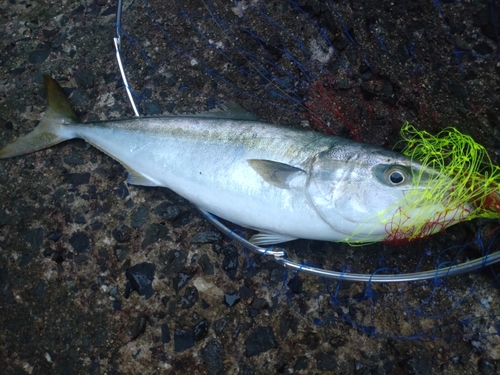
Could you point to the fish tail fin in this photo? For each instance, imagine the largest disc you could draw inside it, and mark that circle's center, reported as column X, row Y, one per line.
column 51, row 130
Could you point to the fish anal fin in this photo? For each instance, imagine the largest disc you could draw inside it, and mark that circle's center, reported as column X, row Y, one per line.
column 261, row 239
column 137, row 178
column 275, row 173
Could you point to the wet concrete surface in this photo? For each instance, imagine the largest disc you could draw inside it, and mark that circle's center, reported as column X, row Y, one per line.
column 99, row 277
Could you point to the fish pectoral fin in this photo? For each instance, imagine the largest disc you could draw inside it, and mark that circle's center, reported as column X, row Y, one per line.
column 260, row 239
column 137, row 178
column 275, row 173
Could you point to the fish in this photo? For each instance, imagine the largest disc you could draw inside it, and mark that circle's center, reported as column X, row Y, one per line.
column 283, row 182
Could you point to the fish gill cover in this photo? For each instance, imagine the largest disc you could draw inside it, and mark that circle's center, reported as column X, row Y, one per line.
column 316, row 64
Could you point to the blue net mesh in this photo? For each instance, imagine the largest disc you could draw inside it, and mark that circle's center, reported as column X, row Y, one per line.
column 319, row 65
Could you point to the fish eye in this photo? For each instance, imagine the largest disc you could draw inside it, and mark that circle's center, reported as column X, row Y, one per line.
column 396, row 176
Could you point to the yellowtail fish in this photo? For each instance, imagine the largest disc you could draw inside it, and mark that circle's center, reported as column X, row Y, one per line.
column 285, row 183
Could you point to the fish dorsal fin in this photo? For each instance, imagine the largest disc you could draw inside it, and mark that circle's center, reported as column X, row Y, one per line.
column 275, row 173
column 230, row 111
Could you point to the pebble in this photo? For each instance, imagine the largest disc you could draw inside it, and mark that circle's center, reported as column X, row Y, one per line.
column 167, row 211
column 139, row 217
column 141, row 278
column 206, row 237
column 212, row 356
column 80, row 242
column 154, row 233
column 201, row 330
column 165, row 334
column 260, row 340
column 38, row 56
column 189, row 298
column 183, row 339
column 230, row 261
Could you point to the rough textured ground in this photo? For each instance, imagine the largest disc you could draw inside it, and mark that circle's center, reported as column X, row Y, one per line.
column 72, row 233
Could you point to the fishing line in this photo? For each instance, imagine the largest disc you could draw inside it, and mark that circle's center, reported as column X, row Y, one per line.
column 279, row 254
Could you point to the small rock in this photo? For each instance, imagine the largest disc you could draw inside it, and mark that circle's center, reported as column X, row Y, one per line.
column 80, row 242
column 206, row 237
column 201, row 330
column 180, row 280
column 260, row 340
column 167, row 211
column 230, row 261
column 77, row 179
column 206, row 265
column 139, row 217
column 154, row 233
column 38, row 56
column 326, row 361
column 165, row 334
column 189, row 298
column 231, row 299
column 85, row 78
column 139, row 326
column 141, row 278
column 212, row 356
column 183, row 339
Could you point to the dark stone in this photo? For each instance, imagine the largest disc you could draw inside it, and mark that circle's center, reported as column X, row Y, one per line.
column 154, row 233
column 160, row 315
column 245, row 292
column 79, row 259
column 212, row 356
column 260, row 340
column 175, row 264
column 77, row 179
column 111, row 10
column 38, row 56
column 122, row 191
column 486, row 367
column 301, row 364
column 180, row 280
column 165, row 334
column 57, row 257
column 326, row 361
column 421, row 363
column 40, row 289
column 47, row 252
column 139, row 217
column 48, row 33
column 259, row 303
column 73, row 160
column 295, row 285
column 201, row 330
column 80, row 242
column 121, row 254
column 141, row 278
column 183, row 339
column 79, row 97
column 189, row 298
column 220, row 325
column 231, row 299
column 206, row 265
column 139, row 326
column 167, row 211
column 230, row 261
column 206, row 237
column 117, row 305
column 122, row 233
column 85, row 78
column 33, row 236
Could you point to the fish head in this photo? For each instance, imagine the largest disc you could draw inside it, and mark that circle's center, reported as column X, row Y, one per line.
column 371, row 194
